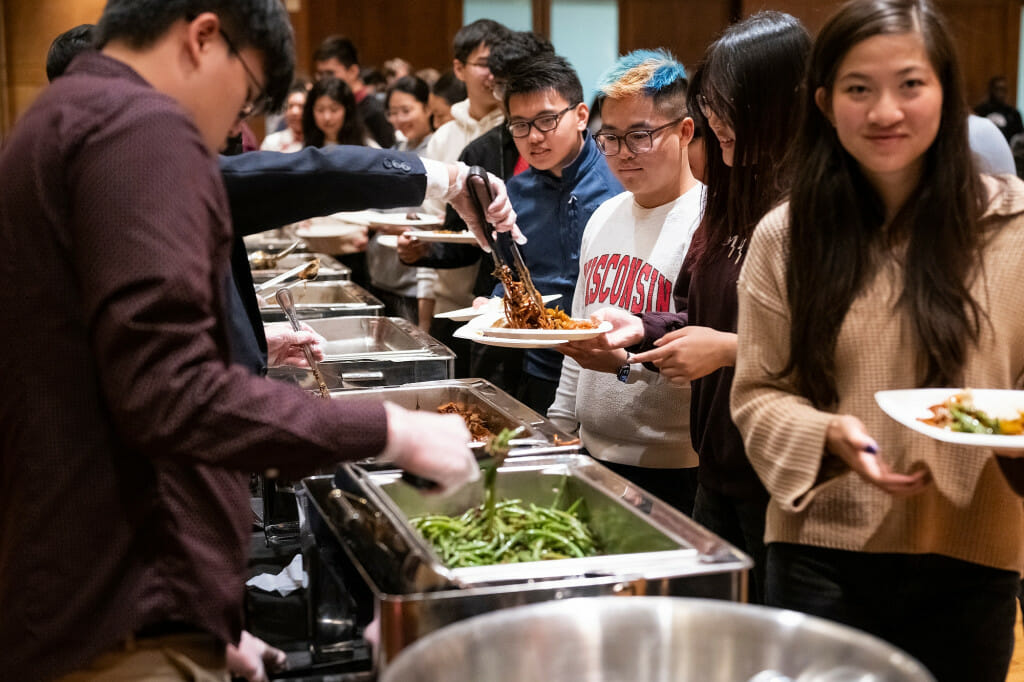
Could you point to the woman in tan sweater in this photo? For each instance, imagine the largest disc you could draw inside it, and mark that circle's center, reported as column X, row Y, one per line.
column 894, row 265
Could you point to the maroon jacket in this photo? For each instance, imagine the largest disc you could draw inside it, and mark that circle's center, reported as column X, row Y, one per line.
column 125, row 434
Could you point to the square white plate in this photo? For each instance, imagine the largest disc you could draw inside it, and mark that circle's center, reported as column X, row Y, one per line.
column 474, row 335
column 909, row 406
column 494, row 305
column 485, row 325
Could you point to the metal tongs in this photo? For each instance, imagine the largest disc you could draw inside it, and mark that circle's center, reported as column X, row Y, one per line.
column 304, row 272
column 284, row 299
column 480, row 190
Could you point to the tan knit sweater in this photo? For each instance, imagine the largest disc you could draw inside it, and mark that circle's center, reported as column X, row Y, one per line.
column 969, row 512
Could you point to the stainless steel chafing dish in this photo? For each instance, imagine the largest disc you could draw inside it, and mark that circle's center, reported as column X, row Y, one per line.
column 372, row 351
column 315, row 300
column 498, row 409
column 330, row 268
column 359, row 521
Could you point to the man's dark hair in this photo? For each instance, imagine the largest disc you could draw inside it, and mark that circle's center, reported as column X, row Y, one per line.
column 66, row 47
column 542, row 73
column 337, row 47
column 449, row 87
column 507, row 54
column 262, row 25
column 480, row 32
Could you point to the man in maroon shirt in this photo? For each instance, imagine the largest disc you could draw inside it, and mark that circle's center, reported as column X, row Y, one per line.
column 124, row 448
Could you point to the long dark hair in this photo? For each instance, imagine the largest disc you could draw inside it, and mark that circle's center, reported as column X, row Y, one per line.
column 749, row 77
column 352, row 130
column 837, row 217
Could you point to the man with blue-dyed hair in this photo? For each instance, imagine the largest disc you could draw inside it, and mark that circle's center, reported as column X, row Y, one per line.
column 633, row 247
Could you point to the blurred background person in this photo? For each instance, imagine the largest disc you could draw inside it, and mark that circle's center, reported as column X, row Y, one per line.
column 330, row 116
column 996, row 108
column 446, row 91
column 396, row 68
column 290, row 139
column 337, row 56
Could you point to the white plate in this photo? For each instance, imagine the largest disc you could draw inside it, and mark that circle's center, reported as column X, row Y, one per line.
column 494, row 305
column 474, row 335
column 388, row 240
column 908, row 406
column 379, row 218
column 485, row 325
column 464, row 237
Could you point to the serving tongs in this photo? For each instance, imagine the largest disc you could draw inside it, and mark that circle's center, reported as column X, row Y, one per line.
column 489, row 455
column 284, row 299
column 503, row 244
column 303, row 272
column 262, row 260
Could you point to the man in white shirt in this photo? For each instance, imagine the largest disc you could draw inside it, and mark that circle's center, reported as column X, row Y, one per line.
column 633, row 247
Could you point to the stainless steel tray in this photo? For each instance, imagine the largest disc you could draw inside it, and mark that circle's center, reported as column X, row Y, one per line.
column 372, row 351
column 330, row 268
column 324, row 299
column 639, row 534
column 359, row 523
column 498, row 409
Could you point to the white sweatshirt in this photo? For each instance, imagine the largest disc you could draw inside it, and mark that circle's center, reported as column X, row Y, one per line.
column 629, row 259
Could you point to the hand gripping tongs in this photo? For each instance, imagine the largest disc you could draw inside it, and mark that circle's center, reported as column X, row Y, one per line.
column 502, row 245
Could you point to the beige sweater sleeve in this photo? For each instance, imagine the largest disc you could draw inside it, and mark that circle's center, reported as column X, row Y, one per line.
column 783, row 434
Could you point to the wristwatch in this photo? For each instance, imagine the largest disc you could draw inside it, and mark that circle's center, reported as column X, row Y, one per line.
column 627, row 374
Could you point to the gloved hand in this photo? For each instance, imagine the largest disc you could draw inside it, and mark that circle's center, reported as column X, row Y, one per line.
column 433, row 446
column 499, row 214
column 253, row 657
column 284, row 346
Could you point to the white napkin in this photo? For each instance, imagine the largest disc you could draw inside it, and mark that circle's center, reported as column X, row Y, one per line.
column 285, row 582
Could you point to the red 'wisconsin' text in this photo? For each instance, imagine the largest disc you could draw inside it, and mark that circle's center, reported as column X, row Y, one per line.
column 630, row 283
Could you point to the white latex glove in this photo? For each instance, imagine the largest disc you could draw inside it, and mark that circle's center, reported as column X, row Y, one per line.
column 499, row 214
column 284, row 346
column 253, row 657
column 433, row 446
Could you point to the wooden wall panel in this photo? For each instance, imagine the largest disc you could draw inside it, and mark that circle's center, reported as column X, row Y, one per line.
column 987, row 33
column 686, row 27
column 30, row 27
column 419, row 32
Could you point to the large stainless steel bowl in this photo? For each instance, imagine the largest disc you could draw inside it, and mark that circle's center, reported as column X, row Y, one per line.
column 651, row 639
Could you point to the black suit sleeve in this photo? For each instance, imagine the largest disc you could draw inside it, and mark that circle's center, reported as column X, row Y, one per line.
column 270, row 189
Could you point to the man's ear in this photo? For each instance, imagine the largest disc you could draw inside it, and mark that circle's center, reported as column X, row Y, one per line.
column 686, row 132
column 201, row 33
column 582, row 114
column 353, row 73
column 821, row 99
column 459, row 69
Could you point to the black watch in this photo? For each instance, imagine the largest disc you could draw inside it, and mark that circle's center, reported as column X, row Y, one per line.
column 623, row 373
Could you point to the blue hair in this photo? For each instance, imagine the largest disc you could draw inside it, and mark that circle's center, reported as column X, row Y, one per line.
column 664, row 70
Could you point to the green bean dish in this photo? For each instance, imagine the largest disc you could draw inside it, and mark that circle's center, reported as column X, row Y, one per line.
column 513, row 532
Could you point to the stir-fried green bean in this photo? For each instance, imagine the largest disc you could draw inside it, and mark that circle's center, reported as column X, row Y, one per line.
column 515, row 532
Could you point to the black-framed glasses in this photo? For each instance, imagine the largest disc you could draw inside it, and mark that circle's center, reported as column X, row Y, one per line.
column 705, row 106
column 545, row 123
column 637, row 141
column 258, row 104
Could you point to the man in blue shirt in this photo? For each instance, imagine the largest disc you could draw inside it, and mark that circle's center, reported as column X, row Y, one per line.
column 567, row 180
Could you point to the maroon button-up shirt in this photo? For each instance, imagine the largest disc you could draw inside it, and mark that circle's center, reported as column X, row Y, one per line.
column 125, row 434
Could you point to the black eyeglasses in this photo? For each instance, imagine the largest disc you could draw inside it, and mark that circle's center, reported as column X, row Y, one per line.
column 545, row 123
column 257, row 104
column 637, row 141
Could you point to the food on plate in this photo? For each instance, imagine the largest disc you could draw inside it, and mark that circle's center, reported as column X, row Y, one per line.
column 959, row 413
column 474, row 418
column 524, row 311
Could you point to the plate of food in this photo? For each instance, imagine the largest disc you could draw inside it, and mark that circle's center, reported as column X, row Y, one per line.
column 987, row 418
column 474, row 335
column 447, row 236
column 558, row 327
column 494, row 305
column 406, row 219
